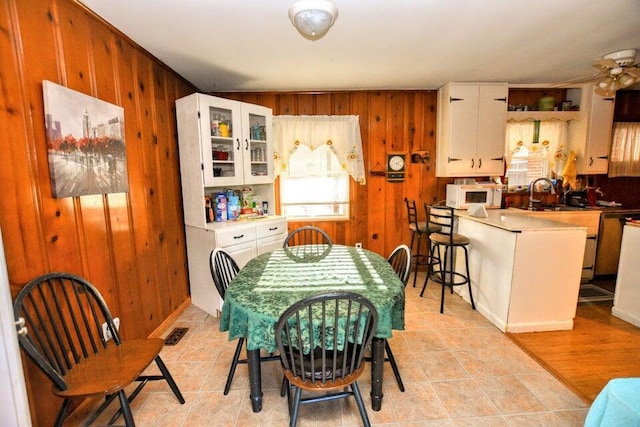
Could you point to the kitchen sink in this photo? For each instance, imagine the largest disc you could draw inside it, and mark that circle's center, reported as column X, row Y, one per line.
column 557, row 208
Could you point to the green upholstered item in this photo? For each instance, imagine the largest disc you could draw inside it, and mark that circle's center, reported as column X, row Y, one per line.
column 272, row 282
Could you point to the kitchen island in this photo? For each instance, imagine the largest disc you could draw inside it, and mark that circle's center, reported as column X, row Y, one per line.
column 525, row 271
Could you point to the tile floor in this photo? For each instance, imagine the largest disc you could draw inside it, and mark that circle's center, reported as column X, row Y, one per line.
column 458, row 370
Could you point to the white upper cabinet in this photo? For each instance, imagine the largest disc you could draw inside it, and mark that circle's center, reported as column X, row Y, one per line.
column 223, row 144
column 591, row 137
column 471, row 129
column 234, row 139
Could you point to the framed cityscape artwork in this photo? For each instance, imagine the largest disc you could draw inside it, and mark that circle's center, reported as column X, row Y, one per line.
column 85, row 143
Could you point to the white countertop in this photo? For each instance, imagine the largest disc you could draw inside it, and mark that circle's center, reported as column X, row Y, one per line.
column 511, row 220
column 244, row 220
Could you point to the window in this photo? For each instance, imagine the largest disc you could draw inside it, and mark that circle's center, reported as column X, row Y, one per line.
column 315, row 157
column 535, row 150
column 625, row 150
column 315, row 185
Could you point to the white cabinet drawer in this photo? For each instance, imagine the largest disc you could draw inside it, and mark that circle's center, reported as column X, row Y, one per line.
column 235, row 235
column 271, row 228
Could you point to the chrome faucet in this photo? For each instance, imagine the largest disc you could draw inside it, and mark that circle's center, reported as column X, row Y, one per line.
column 531, row 187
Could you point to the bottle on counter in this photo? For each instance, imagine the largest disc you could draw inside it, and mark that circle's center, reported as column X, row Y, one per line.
column 221, row 207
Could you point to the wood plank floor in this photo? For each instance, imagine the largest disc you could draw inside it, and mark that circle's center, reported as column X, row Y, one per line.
column 600, row 347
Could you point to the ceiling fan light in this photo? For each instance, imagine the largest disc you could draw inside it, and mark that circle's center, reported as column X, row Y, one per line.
column 313, row 18
column 627, row 80
column 603, row 84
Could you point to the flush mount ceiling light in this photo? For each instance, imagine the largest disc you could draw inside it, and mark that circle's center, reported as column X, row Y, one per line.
column 313, row 18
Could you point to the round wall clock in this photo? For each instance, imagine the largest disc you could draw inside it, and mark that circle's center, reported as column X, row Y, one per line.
column 395, row 166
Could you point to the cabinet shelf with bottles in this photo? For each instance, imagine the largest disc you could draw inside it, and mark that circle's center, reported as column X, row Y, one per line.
column 224, row 144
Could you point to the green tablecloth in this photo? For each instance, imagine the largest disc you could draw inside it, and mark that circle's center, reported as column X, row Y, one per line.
column 272, row 282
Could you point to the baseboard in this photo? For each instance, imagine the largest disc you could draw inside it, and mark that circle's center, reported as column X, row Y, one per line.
column 166, row 324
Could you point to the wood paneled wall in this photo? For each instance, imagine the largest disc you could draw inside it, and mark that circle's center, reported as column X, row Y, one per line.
column 389, row 121
column 130, row 245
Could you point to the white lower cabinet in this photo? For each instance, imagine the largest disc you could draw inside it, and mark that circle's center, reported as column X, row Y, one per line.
column 243, row 240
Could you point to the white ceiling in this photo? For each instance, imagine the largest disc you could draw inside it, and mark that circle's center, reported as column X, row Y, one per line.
column 251, row 45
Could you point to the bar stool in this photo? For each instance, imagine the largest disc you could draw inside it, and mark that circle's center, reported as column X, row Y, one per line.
column 443, row 271
column 418, row 228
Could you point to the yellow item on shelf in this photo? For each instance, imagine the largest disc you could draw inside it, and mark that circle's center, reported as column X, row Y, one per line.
column 569, row 172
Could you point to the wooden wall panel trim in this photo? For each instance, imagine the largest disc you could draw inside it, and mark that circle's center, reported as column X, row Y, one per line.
column 130, row 245
column 389, row 121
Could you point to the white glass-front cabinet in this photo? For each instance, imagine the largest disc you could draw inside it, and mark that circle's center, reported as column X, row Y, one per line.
column 591, row 136
column 471, row 129
column 235, row 139
column 224, row 144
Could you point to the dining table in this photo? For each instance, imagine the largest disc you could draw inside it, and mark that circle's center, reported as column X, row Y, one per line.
column 271, row 282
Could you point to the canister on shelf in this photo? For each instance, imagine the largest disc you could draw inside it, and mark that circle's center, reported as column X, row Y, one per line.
column 546, row 103
column 223, row 129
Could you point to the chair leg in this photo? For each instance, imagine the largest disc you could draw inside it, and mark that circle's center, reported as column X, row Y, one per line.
column 126, row 409
column 360, row 403
column 234, row 365
column 295, row 405
column 167, row 376
column 394, row 366
column 432, row 249
column 466, row 262
column 447, row 274
column 417, row 255
column 62, row 414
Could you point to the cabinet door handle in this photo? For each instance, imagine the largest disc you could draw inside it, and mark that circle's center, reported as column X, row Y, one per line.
column 273, row 228
column 498, row 158
column 479, row 163
column 590, row 161
column 603, row 157
column 608, row 99
column 238, row 237
column 473, row 163
column 238, row 141
column 500, row 99
column 246, row 145
column 451, row 99
column 449, row 160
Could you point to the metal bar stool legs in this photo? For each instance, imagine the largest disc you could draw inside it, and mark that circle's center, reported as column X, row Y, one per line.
column 446, row 274
column 417, row 254
column 442, row 269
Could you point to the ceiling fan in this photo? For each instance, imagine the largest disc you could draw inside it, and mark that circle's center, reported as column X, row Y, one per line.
column 618, row 70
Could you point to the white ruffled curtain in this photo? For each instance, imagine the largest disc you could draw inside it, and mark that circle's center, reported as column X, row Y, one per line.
column 625, row 150
column 551, row 145
column 340, row 133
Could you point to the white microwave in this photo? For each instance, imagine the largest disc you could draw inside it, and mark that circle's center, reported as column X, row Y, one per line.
column 460, row 196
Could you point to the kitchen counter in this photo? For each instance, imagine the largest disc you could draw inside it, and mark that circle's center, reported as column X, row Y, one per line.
column 516, row 220
column 525, row 271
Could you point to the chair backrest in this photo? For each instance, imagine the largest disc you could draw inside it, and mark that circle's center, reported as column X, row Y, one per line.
column 223, row 269
column 412, row 212
column 442, row 216
column 307, row 333
column 308, row 242
column 64, row 316
column 400, row 260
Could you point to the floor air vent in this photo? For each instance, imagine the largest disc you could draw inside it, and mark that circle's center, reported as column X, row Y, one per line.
column 175, row 336
column 593, row 293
